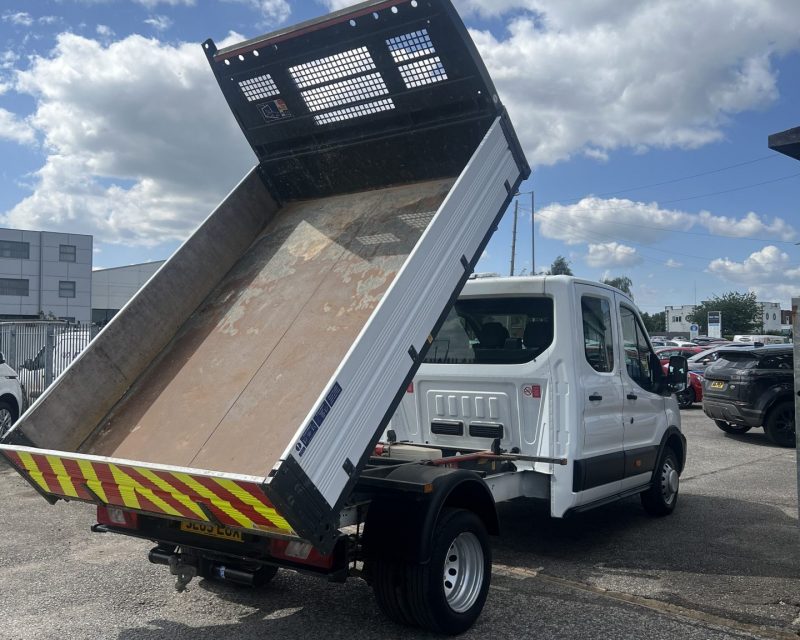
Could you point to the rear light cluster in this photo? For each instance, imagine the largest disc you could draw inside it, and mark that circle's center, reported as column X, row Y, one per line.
column 116, row 517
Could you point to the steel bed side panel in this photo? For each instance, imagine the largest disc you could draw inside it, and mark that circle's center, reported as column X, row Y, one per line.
column 331, row 446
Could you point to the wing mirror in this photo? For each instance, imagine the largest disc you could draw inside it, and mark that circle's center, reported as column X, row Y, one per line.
column 677, row 373
column 2, row 358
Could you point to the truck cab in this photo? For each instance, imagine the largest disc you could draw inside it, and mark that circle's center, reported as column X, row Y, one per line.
column 549, row 367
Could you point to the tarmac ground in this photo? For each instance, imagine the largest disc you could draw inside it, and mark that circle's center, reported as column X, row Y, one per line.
column 725, row 564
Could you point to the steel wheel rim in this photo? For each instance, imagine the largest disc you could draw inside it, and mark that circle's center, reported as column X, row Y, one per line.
column 6, row 420
column 463, row 572
column 669, row 482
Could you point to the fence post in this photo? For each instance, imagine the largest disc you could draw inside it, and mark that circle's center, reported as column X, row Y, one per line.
column 11, row 357
column 48, row 354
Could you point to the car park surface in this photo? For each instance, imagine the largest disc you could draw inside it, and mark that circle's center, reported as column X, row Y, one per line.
column 726, row 564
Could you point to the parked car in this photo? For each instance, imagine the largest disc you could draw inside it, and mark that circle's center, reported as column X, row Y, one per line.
column 706, row 340
column 694, row 383
column 761, row 339
column 747, row 388
column 699, row 361
column 12, row 398
column 664, row 353
column 663, row 343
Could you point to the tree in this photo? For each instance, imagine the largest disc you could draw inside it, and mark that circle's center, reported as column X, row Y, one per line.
column 740, row 313
column 560, row 267
column 654, row 323
column 623, row 283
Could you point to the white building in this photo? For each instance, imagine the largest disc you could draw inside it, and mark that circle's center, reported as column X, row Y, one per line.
column 112, row 288
column 45, row 274
column 770, row 316
column 675, row 319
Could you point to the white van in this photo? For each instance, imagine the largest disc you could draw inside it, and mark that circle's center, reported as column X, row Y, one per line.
column 551, row 368
column 762, row 339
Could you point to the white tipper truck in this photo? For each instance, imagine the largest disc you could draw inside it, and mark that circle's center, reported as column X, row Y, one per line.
column 231, row 412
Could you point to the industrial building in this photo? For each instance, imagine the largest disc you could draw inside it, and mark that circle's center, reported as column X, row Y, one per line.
column 45, row 275
column 112, row 288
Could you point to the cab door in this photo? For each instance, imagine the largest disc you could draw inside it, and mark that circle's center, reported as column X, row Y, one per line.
column 600, row 459
column 644, row 410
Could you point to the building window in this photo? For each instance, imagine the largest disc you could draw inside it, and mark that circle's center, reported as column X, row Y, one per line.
column 66, row 253
column 18, row 250
column 66, row 289
column 13, row 287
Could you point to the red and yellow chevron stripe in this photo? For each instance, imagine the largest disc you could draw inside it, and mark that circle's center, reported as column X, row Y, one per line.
column 180, row 494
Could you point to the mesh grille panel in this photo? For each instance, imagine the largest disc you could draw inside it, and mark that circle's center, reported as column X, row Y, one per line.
column 335, row 67
column 410, row 45
column 259, row 87
column 355, row 111
column 345, row 92
column 423, row 72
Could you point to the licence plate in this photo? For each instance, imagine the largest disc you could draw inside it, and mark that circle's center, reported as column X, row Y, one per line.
column 212, row 530
column 717, row 384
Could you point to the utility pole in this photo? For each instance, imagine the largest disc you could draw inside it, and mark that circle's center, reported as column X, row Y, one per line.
column 514, row 236
column 533, row 264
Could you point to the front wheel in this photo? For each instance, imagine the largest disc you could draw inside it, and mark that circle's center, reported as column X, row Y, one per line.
column 662, row 496
column 685, row 398
column 728, row 427
column 7, row 418
column 779, row 425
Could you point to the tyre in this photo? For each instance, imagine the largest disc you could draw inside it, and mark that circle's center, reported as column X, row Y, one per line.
column 446, row 595
column 779, row 426
column 685, row 398
column 388, row 580
column 662, row 496
column 727, row 427
column 7, row 418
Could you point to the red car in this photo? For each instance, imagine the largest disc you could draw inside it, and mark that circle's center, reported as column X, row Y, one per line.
column 694, row 388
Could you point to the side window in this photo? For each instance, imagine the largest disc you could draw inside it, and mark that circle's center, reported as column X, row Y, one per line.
column 598, row 340
column 637, row 351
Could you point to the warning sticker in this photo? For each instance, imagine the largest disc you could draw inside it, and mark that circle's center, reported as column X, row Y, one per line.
column 274, row 110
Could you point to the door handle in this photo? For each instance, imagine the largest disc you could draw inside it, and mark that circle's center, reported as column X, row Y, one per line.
column 632, row 396
column 595, row 396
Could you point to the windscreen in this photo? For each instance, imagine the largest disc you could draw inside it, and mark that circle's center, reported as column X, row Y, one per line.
column 494, row 331
column 735, row 360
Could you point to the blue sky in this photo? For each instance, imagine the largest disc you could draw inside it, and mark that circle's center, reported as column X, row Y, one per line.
column 646, row 123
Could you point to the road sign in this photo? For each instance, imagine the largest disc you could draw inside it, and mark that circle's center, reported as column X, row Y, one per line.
column 714, row 324
column 694, row 331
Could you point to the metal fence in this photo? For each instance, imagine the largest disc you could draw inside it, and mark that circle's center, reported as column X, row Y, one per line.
column 40, row 351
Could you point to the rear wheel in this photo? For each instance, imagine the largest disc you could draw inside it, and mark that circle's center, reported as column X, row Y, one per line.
column 779, row 426
column 662, row 496
column 446, row 594
column 727, row 427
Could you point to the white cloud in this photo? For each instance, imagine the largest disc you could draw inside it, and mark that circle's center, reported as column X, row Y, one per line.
column 611, row 254
column 595, row 219
column 672, row 264
column 159, row 23
column 150, row 4
column 751, row 225
column 14, row 129
column 598, row 219
column 335, row 5
column 595, row 76
column 140, row 143
column 19, row 18
column 104, row 30
column 770, row 272
column 272, row 11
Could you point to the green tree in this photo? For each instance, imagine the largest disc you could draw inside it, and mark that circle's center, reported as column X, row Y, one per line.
column 623, row 283
column 740, row 313
column 654, row 323
column 560, row 267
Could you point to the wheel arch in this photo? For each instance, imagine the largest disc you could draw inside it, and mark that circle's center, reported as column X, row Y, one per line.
column 403, row 524
column 675, row 440
column 13, row 403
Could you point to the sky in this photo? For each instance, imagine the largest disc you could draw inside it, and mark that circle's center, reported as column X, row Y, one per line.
column 645, row 123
